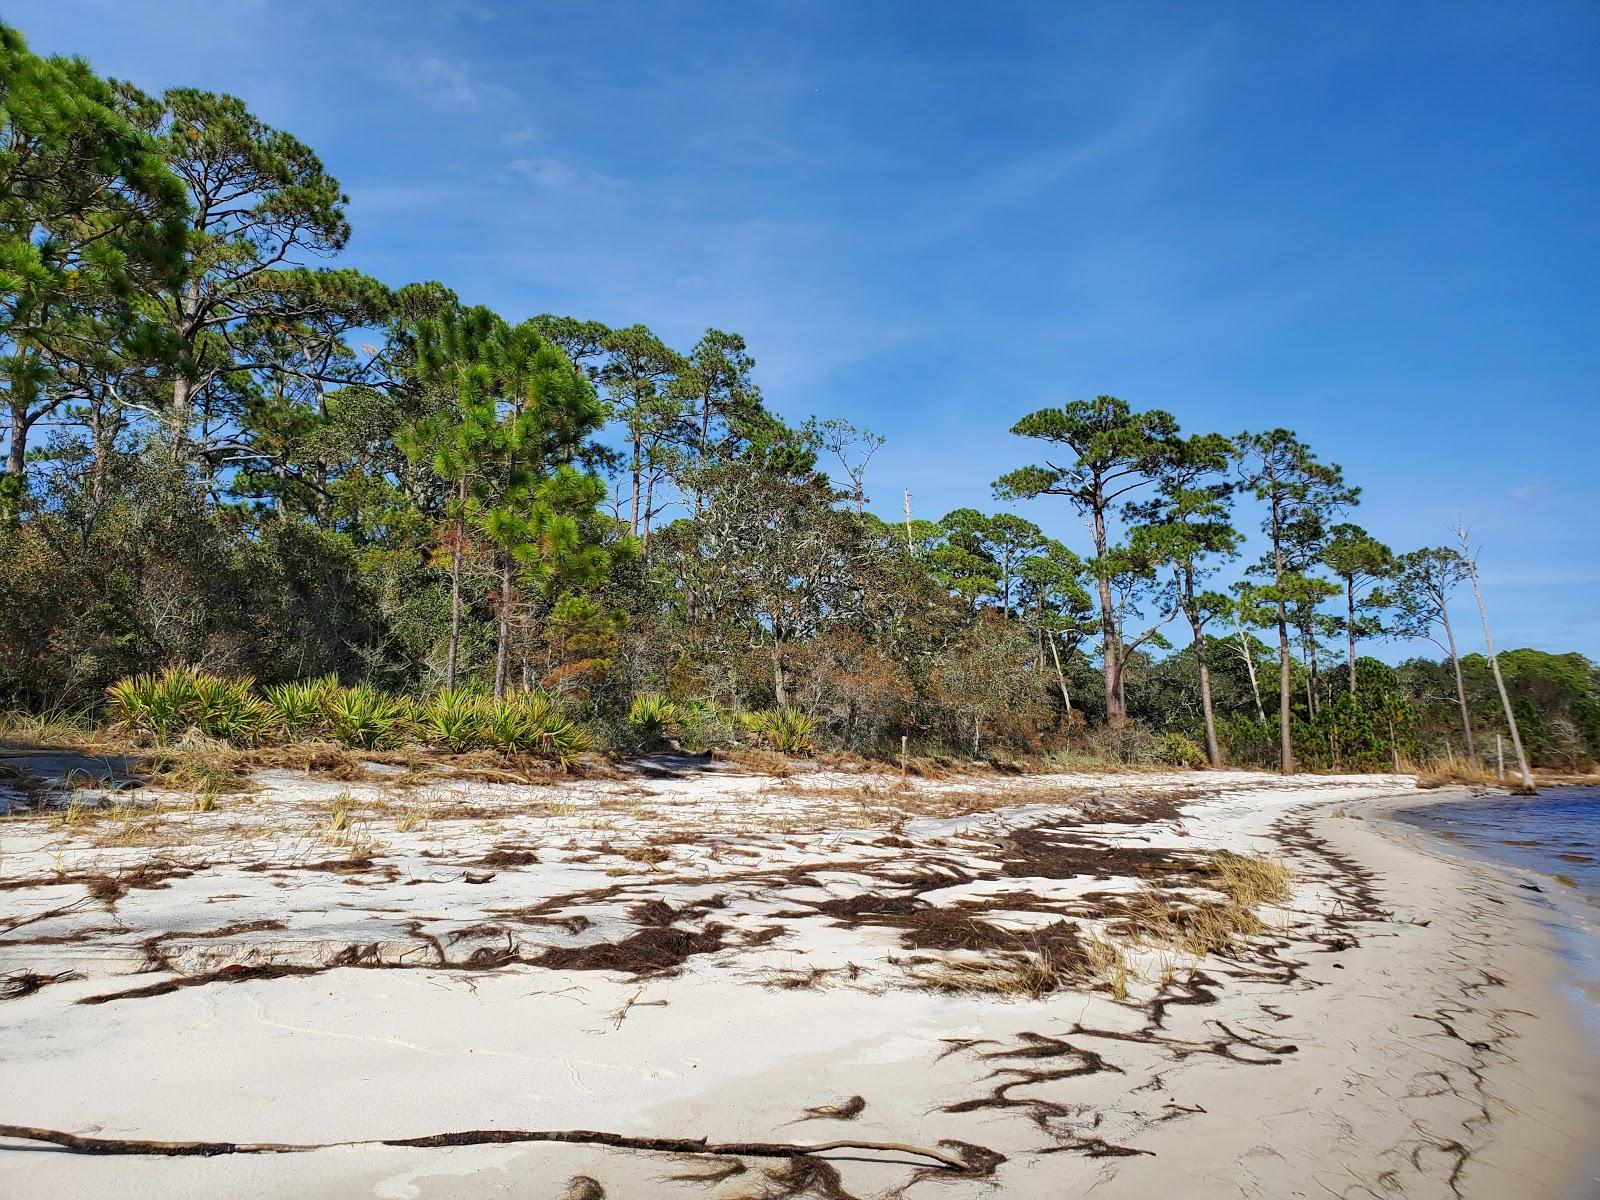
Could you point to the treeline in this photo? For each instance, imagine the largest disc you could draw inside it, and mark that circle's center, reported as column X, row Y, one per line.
column 224, row 453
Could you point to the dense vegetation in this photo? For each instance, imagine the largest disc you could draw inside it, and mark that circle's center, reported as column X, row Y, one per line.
column 225, row 454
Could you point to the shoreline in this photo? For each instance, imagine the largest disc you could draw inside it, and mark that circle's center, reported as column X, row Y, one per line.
column 1561, row 912
column 1396, row 1028
column 1542, row 1091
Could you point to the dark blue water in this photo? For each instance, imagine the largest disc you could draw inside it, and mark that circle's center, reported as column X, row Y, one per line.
column 1551, row 842
column 1556, row 832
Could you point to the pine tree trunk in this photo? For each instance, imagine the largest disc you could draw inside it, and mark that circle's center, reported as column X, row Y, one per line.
column 1285, row 740
column 633, row 512
column 1108, row 631
column 649, row 503
column 17, row 451
column 1311, row 654
column 1305, row 663
column 502, row 659
column 181, row 397
column 182, row 385
column 1285, row 676
column 101, row 440
column 1213, row 749
column 456, row 553
column 1350, row 627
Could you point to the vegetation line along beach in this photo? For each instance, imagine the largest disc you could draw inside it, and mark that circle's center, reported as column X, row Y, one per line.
column 463, row 748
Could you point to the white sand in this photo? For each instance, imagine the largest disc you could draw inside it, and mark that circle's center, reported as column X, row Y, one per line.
column 1431, row 1056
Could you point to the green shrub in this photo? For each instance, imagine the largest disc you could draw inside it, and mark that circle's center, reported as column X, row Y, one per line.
column 453, row 719
column 519, row 723
column 364, row 718
column 297, row 708
column 787, row 730
column 160, row 706
column 1176, row 750
column 535, row 724
column 511, row 725
column 651, row 720
column 168, row 705
column 227, row 709
column 702, row 726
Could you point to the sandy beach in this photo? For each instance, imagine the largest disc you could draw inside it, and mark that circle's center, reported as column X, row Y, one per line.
column 983, row 971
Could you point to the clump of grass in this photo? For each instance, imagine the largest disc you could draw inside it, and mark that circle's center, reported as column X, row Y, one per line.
column 340, row 814
column 346, row 828
column 413, row 817
column 80, row 812
column 203, row 802
column 763, row 762
column 314, row 758
column 1435, row 774
column 1031, row 975
column 56, row 727
column 135, row 825
column 119, row 824
column 1250, row 881
column 104, row 781
column 1108, row 963
column 197, row 767
column 1196, row 928
column 650, row 856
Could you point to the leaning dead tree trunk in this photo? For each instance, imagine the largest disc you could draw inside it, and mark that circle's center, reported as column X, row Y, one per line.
column 1494, row 662
column 1061, row 677
column 1250, row 667
column 1461, row 687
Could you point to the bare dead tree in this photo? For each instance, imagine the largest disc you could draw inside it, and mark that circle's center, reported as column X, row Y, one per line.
column 1459, row 528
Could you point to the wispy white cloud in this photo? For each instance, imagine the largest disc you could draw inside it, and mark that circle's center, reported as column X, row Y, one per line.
column 1154, row 108
column 552, row 173
column 445, row 83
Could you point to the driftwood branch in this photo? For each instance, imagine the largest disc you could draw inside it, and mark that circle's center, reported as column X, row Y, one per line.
column 474, row 1137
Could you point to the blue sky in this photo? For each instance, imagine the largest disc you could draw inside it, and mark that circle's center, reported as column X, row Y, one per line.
column 1376, row 224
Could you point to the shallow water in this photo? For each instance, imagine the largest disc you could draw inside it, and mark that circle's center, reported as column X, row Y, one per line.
column 1552, row 843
